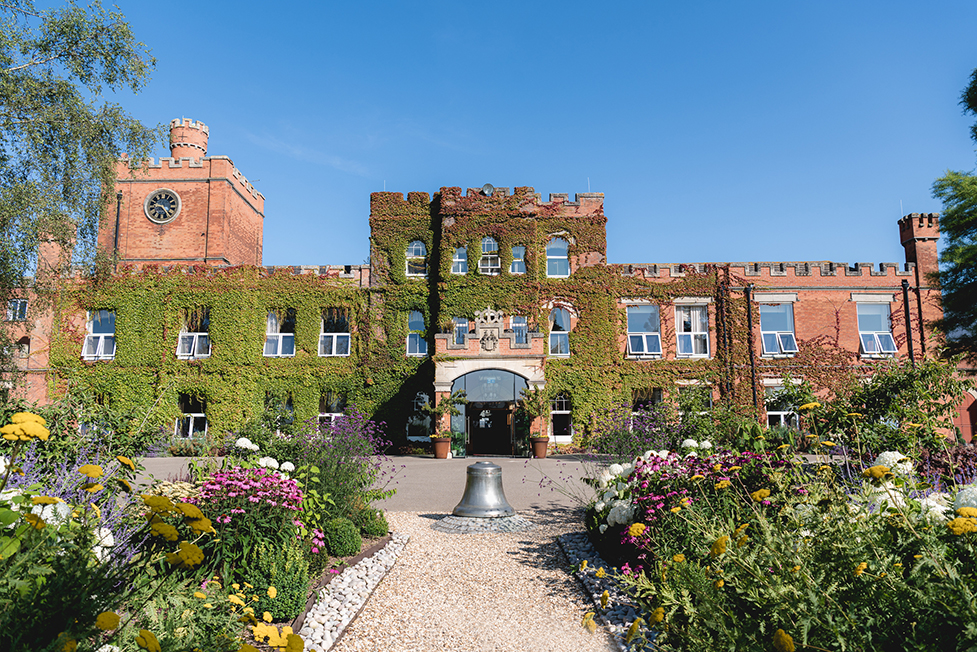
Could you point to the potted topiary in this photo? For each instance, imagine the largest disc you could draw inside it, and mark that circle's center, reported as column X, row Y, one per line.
column 536, row 404
column 441, row 438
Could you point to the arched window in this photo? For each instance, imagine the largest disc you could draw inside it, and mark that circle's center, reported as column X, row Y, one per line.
column 459, row 261
column 518, row 265
column 560, row 332
column 490, row 264
column 416, row 344
column 416, row 259
column 557, row 258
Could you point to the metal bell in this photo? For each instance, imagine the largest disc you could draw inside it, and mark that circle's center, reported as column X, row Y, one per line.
column 484, row 497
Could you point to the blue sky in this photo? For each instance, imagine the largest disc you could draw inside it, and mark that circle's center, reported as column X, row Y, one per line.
column 718, row 131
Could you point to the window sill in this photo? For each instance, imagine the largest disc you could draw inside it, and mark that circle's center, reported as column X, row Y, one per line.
column 776, row 356
column 333, row 355
column 653, row 356
column 290, row 355
column 877, row 356
column 192, row 357
column 692, row 357
column 101, row 358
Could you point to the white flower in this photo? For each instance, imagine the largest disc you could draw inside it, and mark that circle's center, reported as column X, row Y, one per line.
column 896, row 462
column 600, row 506
column 104, row 537
column 692, row 454
column 966, row 497
column 603, row 528
column 56, row 513
column 268, row 462
column 690, row 443
column 604, row 479
column 934, row 507
column 621, row 513
column 626, row 469
column 886, row 496
column 705, row 443
column 108, row 648
column 3, row 464
column 663, row 454
column 609, row 496
column 244, row 443
column 615, row 470
column 287, row 467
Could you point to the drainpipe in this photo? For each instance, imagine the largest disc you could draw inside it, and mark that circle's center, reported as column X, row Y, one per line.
column 749, row 340
column 118, row 212
column 909, row 326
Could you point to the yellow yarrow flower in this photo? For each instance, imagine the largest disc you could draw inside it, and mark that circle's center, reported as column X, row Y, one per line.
column 125, row 484
column 967, row 512
column 783, row 446
column 782, row 641
column 158, row 503
column 199, row 594
column 760, row 494
column 633, row 630
column 723, row 484
column 147, row 641
column 795, row 569
column 734, row 468
column 35, row 521
column 201, row 525
column 678, row 559
column 809, row 406
column 70, row 645
column 27, row 417
column 658, row 615
column 829, row 444
column 719, row 584
column 860, row 568
column 266, row 617
column 600, row 572
column 588, row 622
column 107, row 620
column 719, row 546
column 165, row 530
column 698, row 477
column 247, row 648
column 233, row 599
column 92, row 487
column 877, row 472
column 583, row 565
column 295, row 643
column 188, row 556
column 92, row 471
column 45, row 500
column 125, row 461
column 717, row 467
column 962, row 525
column 637, row 529
column 272, row 592
column 604, row 598
column 675, row 510
column 189, row 510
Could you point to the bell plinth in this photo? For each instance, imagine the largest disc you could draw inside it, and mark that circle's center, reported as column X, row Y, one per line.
column 484, row 497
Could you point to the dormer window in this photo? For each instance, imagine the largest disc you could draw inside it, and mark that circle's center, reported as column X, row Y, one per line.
column 490, row 264
column 416, row 259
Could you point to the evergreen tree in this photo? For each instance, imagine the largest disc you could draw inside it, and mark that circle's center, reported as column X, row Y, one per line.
column 958, row 224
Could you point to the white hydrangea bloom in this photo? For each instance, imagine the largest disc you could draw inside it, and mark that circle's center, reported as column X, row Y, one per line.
column 934, row 507
column 244, row 443
column 615, row 470
column 268, row 462
column 692, row 454
column 966, row 497
column 54, row 514
column 287, row 467
column 648, row 455
column 885, row 496
column 621, row 513
column 663, row 454
column 600, row 505
column 626, row 469
column 690, row 443
column 108, row 648
column 898, row 463
column 705, row 443
column 603, row 528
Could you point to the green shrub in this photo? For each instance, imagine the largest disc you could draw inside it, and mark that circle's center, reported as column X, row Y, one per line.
column 342, row 537
column 371, row 522
column 286, row 569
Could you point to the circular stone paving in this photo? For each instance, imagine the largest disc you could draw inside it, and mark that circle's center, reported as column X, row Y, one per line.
column 467, row 525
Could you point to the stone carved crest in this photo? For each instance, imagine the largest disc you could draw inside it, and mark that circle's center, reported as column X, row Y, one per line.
column 488, row 328
column 490, row 342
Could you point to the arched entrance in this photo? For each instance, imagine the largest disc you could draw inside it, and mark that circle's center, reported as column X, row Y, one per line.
column 489, row 420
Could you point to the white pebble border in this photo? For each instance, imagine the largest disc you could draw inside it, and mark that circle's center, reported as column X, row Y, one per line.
column 343, row 598
column 620, row 611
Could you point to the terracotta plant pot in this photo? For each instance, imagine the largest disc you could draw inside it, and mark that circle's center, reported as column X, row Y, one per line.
column 539, row 446
column 442, row 446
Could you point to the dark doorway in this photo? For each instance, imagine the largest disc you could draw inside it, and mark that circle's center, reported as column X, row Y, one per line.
column 490, row 429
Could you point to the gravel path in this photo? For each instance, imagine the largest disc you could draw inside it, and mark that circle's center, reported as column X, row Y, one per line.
column 454, row 592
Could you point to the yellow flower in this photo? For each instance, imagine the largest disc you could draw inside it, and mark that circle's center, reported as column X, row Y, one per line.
column 675, row 510
column 165, row 530
column 35, row 521
column 588, row 622
column 92, row 487
column 795, row 569
column 809, row 406
column 125, row 484
column 860, row 568
column 633, row 630
column 734, row 468
column 189, row 510
column 829, row 444
column 70, row 645
column 158, row 503
column 248, row 586
column 698, row 477
column 92, row 471
column 854, row 414
column 722, row 484
column 717, row 467
column 208, row 605
column 899, row 565
column 658, row 615
column 45, row 500
column 107, row 620
column 719, row 546
column 125, row 461
column 760, row 437
column 604, row 597
column 877, row 472
column 583, row 565
column 188, row 556
column 96, row 510
column 678, row 559
column 637, row 529
column 27, row 417
column 199, row 594
column 296, row 644
column 742, row 541
column 760, row 494
column 738, row 531
column 147, row 641
column 272, row 592
column 914, row 425
column 201, row 525
column 782, row 641
column 685, row 502
column 236, row 586
column 968, row 512
column 719, row 584
column 600, row 572
column 783, row 446
column 233, row 599
column 266, row 617
column 961, row 525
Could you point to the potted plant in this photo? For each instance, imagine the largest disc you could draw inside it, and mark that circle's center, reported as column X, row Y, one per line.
column 447, row 406
column 536, row 404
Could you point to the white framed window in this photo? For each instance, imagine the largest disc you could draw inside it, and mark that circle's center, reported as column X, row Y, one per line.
column 520, row 326
column 332, row 405
column 416, row 344
column 17, row 310
column 100, row 340
column 644, row 331
column 557, row 258
column 416, row 259
column 194, row 340
column 280, row 334
column 560, row 332
column 875, row 329
column 459, row 261
column 193, row 423
column 692, row 331
column 518, row 265
column 645, row 397
column 777, row 414
column 460, row 330
column 777, row 329
column 560, row 425
column 334, row 336
column 490, row 263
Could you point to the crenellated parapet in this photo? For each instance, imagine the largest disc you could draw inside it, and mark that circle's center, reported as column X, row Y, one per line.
column 821, row 269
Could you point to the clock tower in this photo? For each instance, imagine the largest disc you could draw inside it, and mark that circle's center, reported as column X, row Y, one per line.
column 189, row 208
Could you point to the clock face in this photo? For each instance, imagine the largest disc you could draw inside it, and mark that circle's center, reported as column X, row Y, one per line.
column 162, row 206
